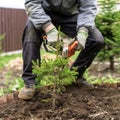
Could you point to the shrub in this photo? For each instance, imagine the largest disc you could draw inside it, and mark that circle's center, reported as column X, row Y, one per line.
column 108, row 22
column 55, row 73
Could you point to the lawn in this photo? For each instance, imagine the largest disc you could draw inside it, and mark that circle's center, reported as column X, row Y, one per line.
column 11, row 68
column 6, row 58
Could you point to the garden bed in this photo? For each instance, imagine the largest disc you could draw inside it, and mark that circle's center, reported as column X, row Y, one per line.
column 76, row 103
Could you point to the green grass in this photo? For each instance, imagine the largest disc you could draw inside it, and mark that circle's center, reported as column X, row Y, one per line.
column 104, row 79
column 6, row 58
column 18, row 82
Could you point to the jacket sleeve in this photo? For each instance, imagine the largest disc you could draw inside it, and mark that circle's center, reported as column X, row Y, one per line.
column 37, row 14
column 87, row 13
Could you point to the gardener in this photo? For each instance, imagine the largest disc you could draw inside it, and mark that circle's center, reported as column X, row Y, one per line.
column 76, row 18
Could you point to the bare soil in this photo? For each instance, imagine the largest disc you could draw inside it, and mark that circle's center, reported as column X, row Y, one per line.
column 75, row 103
column 100, row 103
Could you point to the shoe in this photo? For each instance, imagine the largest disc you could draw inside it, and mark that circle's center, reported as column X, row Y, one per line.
column 81, row 82
column 27, row 92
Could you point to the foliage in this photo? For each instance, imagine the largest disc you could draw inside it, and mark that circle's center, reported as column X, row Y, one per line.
column 17, row 84
column 54, row 72
column 1, row 91
column 108, row 22
column 1, row 38
column 107, row 5
column 11, row 86
column 99, row 80
column 4, row 59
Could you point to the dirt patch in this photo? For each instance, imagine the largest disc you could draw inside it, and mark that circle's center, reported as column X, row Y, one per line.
column 99, row 103
column 76, row 103
column 12, row 70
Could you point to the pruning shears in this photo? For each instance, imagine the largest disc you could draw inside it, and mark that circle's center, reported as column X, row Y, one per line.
column 47, row 47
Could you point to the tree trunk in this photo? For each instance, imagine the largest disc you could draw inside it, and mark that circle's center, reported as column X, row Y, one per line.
column 111, row 59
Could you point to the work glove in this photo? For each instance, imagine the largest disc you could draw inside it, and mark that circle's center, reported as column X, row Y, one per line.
column 52, row 37
column 82, row 36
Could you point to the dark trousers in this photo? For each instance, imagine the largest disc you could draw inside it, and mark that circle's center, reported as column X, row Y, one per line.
column 32, row 40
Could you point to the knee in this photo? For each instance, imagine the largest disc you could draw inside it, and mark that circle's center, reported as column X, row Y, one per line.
column 98, row 38
column 31, row 34
column 100, row 43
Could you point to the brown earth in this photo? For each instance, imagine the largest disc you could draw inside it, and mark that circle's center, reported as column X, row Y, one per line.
column 75, row 103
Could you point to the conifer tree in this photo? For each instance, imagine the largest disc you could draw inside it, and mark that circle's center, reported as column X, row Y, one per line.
column 54, row 72
column 108, row 22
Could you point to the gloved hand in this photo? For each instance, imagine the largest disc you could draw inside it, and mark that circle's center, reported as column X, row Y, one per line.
column 66, row 43
column 52, row 35
column 82, row 37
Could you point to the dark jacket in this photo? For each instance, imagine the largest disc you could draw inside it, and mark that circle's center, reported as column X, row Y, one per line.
column 86, row 10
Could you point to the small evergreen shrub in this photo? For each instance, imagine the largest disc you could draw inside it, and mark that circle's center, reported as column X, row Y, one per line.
column 108, row 22
column 54, row 72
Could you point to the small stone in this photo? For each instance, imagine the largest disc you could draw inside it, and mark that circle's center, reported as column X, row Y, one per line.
column 3, row 100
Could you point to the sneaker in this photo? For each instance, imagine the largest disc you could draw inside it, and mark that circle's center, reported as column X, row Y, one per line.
column 27, row 92
column 81, row 82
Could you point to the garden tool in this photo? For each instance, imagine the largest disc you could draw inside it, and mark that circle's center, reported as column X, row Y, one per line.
column 48, row 47
column 69, row 46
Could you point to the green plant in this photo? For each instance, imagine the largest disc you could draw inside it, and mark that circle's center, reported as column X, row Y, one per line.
column 1, row 38
column 16, row 85
column 108, row 22
column 9, row 86
column 1, row 91
column 55, row 73
column 105, row 79
column 4, row 59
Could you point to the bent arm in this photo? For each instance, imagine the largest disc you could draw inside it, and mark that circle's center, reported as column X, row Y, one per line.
column 87, row 13
column 37, row 14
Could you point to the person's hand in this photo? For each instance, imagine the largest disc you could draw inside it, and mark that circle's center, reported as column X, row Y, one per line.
column 66, row 41
column 66, row 51
column 82, row 37
column 53, row 38
column 52, row 35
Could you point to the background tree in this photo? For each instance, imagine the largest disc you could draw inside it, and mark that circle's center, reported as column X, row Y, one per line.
column 108, row 21
column 1, row 38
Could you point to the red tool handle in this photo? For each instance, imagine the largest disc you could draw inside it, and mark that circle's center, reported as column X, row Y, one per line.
column 71, row 48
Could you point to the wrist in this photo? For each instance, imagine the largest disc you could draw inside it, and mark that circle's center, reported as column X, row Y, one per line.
column 49, row 28
column 83, row 33
column 85, row 29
